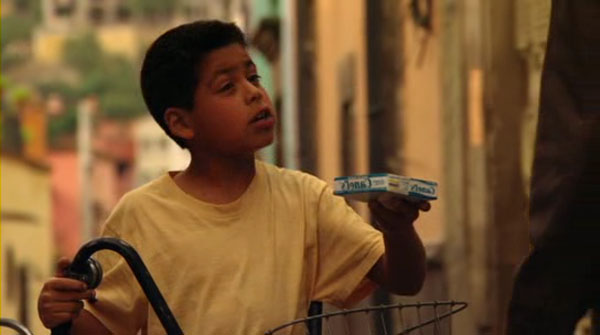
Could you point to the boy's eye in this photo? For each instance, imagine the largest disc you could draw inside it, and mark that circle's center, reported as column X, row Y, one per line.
column 255, row 79
column 226, row 87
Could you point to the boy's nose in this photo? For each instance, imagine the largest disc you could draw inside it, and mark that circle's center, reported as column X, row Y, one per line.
column 254, row 93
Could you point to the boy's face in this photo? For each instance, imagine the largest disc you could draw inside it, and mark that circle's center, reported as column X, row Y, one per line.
column 232, row 112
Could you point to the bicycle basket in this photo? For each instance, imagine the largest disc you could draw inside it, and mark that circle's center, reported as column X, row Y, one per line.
column 420, row 318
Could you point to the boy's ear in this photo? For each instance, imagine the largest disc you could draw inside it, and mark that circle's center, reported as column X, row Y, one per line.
column 179, row 122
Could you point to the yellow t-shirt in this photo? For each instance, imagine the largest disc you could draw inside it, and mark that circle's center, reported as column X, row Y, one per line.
column 239, row 268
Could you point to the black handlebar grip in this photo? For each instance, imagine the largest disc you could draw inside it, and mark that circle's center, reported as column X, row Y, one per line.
column 89, row 272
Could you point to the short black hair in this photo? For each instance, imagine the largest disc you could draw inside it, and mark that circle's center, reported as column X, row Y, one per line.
column 171, row 67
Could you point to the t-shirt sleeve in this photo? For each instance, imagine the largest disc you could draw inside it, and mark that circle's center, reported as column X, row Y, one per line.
column 121, row 305
column 348, row 247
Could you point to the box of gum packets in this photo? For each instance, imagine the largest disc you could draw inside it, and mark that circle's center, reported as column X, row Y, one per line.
column 370, row 186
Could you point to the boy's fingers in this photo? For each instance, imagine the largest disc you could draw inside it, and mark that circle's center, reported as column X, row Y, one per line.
column 399, row 206
column 57, row 319
column 53, row 314
column 69, row 296
column 410, row 213
column 62, row 265
column 425, row 206
column 402, row 204
column 65, row 284
column 73, row 307
column 405, row 205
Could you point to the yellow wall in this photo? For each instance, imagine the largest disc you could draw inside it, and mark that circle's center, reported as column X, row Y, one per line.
column 421, row 120
column 47, row 46
column 115, row 39
column 26, row 229
column 340, row 32
column 119, row 40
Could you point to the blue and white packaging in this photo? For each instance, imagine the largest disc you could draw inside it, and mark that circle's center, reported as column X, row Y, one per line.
column 372, row 186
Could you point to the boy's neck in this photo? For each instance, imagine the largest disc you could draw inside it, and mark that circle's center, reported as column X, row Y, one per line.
column 217, row 180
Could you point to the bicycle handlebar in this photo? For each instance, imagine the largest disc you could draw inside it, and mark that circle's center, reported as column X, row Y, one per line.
column 88, row 270
column 14, row 325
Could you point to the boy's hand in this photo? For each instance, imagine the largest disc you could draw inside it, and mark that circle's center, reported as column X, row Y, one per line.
column 401, row 269
column 60, row 300
column 395, row 212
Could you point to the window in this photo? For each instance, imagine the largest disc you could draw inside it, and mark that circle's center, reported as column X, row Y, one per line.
column 96, row 15
column 24, row 295
column 63, row 7
column 10, row 274
column 123, row 13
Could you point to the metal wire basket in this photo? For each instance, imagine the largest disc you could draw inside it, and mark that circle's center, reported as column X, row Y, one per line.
column 421, row 318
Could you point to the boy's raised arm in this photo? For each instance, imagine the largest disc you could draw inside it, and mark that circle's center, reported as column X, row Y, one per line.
column 401, row 270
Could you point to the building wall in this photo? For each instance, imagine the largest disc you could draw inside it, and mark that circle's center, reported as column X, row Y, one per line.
column 454, row 138
column 7, row 8
column 28, row 254
column 340, row 99
column 531, row 26
column 66, row 201
column 47, row 46
column 421, row 119
column 484, row 90
column 155, row 153
column 117, row 34
column 341, row 78
column 118, row 39
column 460, row 109
column 341, row 75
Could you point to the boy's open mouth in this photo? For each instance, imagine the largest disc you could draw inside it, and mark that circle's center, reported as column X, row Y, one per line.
column 262, row 115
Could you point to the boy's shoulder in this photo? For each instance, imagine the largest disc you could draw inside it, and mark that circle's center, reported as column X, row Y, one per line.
column 135, row 202
column 285, row 177
column 156, row 188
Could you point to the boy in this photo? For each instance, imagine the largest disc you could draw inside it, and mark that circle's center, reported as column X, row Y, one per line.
column 236, row 246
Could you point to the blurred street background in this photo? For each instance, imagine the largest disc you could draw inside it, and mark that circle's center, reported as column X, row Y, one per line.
column 445, row 90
